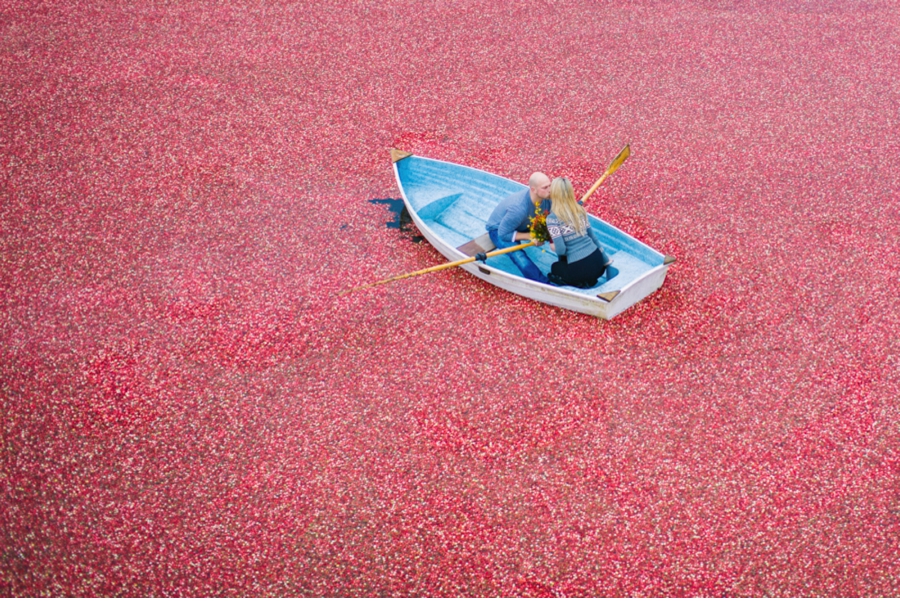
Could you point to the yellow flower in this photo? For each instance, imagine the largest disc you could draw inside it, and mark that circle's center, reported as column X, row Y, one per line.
column 538, row 225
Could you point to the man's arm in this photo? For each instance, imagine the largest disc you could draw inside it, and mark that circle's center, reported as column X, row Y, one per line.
column 511, row 222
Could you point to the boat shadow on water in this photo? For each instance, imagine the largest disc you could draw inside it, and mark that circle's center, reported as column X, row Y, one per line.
column 402, row 220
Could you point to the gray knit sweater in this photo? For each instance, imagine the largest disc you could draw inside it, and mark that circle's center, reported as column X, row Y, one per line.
column 567, row 241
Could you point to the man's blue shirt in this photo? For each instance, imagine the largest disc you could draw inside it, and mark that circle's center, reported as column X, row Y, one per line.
column 513, row 214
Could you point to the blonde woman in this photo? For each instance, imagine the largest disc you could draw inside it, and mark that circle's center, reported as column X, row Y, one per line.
column 581, row 258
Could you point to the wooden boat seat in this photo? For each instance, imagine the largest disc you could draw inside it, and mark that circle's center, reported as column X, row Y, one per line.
column 481, row 244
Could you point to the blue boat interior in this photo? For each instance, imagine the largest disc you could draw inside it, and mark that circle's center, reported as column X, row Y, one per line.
column 455, row 202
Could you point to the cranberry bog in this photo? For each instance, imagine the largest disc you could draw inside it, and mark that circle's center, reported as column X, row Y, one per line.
column 191, row 408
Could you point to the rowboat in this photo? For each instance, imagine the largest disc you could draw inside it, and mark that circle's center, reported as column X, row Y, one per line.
column 450, row 205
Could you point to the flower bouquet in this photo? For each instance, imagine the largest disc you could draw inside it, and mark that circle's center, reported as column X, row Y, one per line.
column 538, row 225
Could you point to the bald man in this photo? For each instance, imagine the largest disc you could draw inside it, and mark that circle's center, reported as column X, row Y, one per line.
column 508, row 224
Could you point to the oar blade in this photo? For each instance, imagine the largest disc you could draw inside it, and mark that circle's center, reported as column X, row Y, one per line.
column 616, row 163
column 620, row 158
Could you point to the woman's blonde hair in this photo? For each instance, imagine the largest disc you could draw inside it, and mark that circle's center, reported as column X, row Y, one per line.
column 562, row 203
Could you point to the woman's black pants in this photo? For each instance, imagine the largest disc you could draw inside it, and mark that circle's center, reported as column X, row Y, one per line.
column 581, row 274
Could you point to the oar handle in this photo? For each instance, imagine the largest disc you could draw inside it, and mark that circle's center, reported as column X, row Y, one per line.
column 441, row 267
column 594, row 187
column 503, row 251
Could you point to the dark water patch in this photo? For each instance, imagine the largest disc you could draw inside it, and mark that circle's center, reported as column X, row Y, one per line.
column 402, row 220
column 396, row 206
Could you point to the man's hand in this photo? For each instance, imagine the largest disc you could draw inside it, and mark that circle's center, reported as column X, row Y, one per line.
column 526, row 237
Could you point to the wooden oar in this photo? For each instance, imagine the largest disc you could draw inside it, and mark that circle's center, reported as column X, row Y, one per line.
column 616, row 163
column 477, row 257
